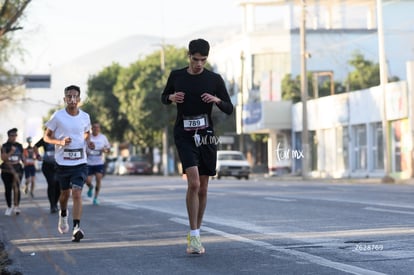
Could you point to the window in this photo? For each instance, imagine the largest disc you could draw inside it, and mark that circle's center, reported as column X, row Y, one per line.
column 360, row 147
column 396, row 128
column 377, row 146
column 341, row 148
column 269, row 65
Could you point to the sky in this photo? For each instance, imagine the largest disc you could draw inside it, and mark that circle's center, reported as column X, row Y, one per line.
column 56, row 31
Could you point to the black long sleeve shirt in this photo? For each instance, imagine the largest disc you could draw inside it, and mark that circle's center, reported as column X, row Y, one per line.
column 194, row 86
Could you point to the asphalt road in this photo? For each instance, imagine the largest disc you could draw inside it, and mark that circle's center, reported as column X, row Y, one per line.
column 259, row 226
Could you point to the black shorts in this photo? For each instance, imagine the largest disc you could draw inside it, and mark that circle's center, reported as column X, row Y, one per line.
column 95, row 169
column 203, row 154
column 71, row 176
column 29, row 171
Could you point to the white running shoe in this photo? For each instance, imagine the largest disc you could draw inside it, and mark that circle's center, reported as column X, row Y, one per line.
column 9, row 211
column 16, row 210
column 63, row 225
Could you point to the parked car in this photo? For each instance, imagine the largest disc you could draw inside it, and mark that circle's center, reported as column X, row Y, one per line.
column 119, row 166
column 110, row 165
column 132, row 165
column 233, row 164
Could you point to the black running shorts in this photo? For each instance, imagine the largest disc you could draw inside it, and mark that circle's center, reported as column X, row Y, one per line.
column 202, row 154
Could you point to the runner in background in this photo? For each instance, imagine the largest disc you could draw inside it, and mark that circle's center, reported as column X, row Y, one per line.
column 49, row 171
column 96, row 161
column 29, row 157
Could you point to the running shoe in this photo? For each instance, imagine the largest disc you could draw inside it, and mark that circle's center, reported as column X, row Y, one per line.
column 16, row 210
column 90, row 191
column 9, row 211
column 95, row 201
column 63, row 225
column 195, row 246
column 53, row 209
column 77, row 234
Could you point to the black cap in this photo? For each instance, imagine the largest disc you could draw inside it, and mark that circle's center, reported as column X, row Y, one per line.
column 12, row 131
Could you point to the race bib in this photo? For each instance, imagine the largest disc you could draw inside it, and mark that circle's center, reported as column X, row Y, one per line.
column 14, row 158
column 72, row 154
column 29, row 160
column 192, row 123
column 95, row 152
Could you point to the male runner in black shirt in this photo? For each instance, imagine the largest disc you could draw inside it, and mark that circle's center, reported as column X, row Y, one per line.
column 195, row 90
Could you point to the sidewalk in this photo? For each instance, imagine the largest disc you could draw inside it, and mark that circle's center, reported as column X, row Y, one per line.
column 34, row 214
column 288, row 177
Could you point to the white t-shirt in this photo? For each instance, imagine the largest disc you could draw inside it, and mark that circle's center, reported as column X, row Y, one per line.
column 65, row 125
column 96, row 156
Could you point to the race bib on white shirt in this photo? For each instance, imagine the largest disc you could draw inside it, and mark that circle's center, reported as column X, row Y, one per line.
column 72, row 154
column 95, row 152
column 64, row 125
column 96, row 156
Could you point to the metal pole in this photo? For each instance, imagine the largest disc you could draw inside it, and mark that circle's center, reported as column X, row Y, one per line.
column 241, row 102
column 383, row 83
column 165, row 130
column 165, row 151
column 304, row 94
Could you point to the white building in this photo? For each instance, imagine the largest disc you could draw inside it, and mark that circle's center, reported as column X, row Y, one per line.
column 347, row 137
column 31, row 101
column 265, row 52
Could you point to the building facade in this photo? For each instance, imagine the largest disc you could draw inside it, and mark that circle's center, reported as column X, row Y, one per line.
column 257, row 60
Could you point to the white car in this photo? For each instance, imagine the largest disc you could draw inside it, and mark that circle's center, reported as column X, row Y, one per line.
column 232, row 164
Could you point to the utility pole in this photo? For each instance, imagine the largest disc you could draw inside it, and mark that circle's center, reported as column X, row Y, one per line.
column 304, row 94
column 165, row 130
column 241, row 102
column 383, row 83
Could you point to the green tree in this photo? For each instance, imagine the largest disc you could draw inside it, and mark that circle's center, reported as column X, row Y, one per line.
column 366, row 73
column 11, row 12
column 291, row 88
column 103, row 105
column 139, row 90
column 127, row 100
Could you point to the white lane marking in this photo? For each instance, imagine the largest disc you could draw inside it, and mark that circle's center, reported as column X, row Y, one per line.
column 303, row 255
column 388, row 210
column 278, row 199
column 297, row 197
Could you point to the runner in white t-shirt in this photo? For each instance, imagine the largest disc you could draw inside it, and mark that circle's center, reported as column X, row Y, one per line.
column 69, row 130
column 96, row 160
